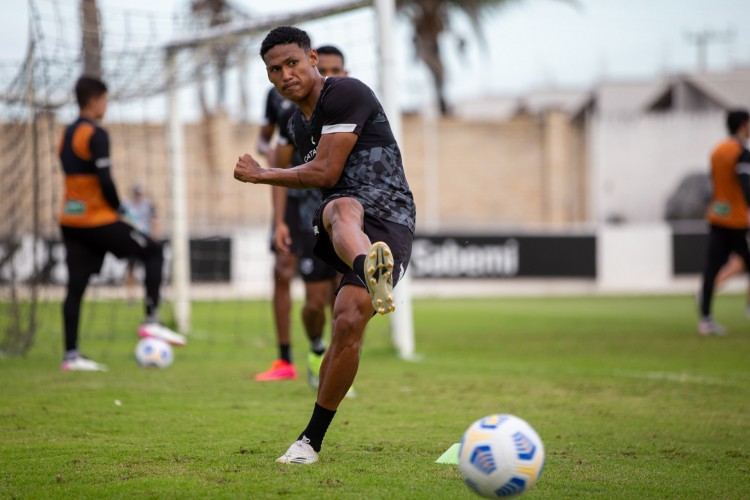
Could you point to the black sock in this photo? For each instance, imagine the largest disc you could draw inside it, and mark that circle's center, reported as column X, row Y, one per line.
column 285, row 353
column 318, row 346
column 317, row 427
column 358, row 266
column 151, row 315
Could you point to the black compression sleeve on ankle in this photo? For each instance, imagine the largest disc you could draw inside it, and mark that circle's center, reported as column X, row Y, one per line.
column 358, row 266
column 318, row 425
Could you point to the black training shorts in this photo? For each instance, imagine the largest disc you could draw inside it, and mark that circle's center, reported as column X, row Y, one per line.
column 397, row 236
column 310, row 267
column 85, row 247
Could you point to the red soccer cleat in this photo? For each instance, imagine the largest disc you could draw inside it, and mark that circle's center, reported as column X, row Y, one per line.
column 280, row 370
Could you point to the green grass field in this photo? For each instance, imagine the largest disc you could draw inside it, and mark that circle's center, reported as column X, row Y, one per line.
column 628, row 400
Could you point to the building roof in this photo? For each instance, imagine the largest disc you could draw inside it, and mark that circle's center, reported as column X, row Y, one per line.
column 625, row 97
column 497, row 108
column 731, row 88
column 722, row 90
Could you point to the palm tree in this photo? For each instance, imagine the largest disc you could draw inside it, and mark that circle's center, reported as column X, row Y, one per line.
column 91, row 45
column 209, row 14
column 430, row 19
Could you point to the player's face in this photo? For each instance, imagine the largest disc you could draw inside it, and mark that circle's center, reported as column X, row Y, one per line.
column 744, row 132
column 291, row 69
column 98, row 106
column 331, row 65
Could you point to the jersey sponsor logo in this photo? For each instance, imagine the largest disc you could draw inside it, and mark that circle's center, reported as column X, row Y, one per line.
column 74, row 207
column 721, row 208
column 310, row 155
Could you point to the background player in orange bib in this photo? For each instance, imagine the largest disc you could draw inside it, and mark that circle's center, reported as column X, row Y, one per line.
column 91, row 226
column 727, row 211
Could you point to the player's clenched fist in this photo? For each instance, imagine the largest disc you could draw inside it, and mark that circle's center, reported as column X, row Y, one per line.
column 247, row 169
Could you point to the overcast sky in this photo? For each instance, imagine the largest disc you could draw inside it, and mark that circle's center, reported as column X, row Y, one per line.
column 531, row 44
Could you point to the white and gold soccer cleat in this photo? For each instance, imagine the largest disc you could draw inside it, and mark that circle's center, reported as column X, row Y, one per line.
column 379, row 273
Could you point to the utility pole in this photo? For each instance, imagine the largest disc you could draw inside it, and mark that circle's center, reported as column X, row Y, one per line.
column 702, row 38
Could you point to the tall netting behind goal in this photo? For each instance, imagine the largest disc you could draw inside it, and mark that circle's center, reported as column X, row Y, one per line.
column 187, row 95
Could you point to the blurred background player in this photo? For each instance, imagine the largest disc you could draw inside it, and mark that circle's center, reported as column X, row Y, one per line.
column 727, row 211
column 91, row 226
column 331, row 61
column 293, row 241
column 140, row 212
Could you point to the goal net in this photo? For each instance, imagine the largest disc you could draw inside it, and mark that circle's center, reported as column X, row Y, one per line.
column 187, row 96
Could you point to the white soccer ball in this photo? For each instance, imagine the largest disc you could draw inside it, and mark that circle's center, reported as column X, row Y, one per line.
column 153, row 353
column 500, row 456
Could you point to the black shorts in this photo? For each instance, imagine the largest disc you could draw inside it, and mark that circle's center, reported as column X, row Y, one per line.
column 86, row 247
column 310, row 267
column 397, row 236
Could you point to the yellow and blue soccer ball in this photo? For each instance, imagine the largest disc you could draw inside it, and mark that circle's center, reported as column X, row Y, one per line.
column 153, row 353
column 500, row 456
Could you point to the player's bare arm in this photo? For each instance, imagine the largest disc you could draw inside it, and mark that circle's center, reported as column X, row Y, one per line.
column 281, row 234
column 264, row 139
column 323, row 171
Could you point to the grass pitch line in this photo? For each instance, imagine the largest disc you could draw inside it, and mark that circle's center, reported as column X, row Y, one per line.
column 673, row 377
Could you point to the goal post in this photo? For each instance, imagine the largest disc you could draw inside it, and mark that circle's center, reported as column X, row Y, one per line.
column 180, row 236
column 402, row 320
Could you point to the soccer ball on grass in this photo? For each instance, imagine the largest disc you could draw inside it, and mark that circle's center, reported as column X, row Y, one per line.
column 153, row 353
column 500, row 456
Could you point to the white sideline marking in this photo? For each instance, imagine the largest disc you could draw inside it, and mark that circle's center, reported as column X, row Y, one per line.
column 680, row 377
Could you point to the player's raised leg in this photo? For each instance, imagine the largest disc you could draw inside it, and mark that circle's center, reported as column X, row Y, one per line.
column 343, row 220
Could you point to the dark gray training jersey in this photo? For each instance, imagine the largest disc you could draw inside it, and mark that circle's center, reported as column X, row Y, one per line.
column 373, row 173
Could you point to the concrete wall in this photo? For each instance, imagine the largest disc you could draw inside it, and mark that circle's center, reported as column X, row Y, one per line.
column 638, row 161
column 524, row 172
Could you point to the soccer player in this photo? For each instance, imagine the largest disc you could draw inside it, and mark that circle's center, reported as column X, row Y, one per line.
column 331, row 61
column 727, row 212
column 140, row 212
column 365, row 225
column 91, row 226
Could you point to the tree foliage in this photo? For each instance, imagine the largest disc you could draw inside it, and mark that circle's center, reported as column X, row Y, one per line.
column 431, row 18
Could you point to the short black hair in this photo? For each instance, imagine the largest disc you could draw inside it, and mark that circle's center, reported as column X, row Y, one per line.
column 735, row 119
column 284, row 35
column 330, row 50
column 87, row 88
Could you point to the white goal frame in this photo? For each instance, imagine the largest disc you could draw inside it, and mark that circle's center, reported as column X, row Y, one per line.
column 402, row 324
